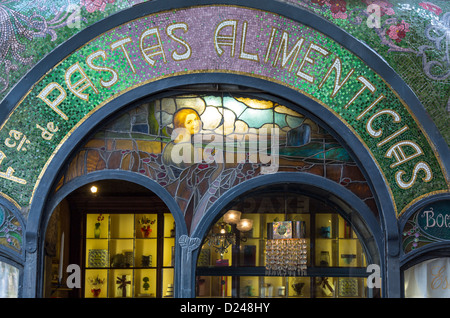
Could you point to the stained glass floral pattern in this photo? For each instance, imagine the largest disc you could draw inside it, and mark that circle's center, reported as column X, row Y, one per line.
column 11, row 231
column 413, row 237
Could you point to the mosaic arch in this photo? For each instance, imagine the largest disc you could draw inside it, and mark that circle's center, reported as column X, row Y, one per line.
column 233, row 139
column 241, row 41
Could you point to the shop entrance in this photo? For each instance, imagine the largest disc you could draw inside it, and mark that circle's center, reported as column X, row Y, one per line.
column 122, row 237
column 253, row 133
column 308, row 80
column 329, row 260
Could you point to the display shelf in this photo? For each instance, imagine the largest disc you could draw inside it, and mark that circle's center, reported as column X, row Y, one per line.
column 145, row 252
column 249, row 286
column 332, row 248
column 299, row 287
column 169, row 252
column 121, row 226
column 167, row 282
column 145, row 282
column 132, row 255
column 214, row 286
column 97, row 225
column 96, row 283
column 271, row 287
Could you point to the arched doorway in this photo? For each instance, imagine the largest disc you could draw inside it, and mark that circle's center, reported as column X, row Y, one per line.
column 340, row 242
column 119, row 234
column 134, row 145
column 425, row 256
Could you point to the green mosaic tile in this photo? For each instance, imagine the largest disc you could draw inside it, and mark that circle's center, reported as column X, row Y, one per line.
column 73, row 111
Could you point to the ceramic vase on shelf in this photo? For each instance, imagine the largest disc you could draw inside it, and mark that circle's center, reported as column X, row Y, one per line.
column 97, row 230
column 96, row 292
column 146, row 230
column 146, row 224
column 100, row 218
column 96, row 285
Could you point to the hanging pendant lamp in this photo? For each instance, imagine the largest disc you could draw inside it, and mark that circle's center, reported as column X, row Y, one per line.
column 286, row 249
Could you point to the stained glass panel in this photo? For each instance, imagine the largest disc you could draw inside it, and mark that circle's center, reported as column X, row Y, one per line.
column 10, row 230
column 198, row 146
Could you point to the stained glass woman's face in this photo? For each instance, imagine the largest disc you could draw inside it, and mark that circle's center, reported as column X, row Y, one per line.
column 192, row 123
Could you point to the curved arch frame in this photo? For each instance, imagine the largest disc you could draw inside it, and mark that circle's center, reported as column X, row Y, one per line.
column 429, row 251
column 340, row 196
column 388, row 219
column 124, row 176
column 374, row 177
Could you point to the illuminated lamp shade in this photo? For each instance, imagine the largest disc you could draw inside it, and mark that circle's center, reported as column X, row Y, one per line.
column 232, row 217
column 245, row 225
column 94, row 189
column 286, row 248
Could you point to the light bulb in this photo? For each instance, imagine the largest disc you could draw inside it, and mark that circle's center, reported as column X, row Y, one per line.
column 232, row 217
column 245, row 225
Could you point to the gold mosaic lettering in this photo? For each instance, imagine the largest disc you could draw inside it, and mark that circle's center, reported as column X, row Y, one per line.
column 15, row 135
column 283, row 50
column 47, row 133
column 377, row 133
column 9, row 172
column 337, row 67
column 244, row 55
column 394, row 135
column 366, row 85
column 90, row 62
column 221, row 40
column 170, row 30
column 53, row 104
column 308, row 59
column 269, row 46
column 370, row 107
column 151, row 51
column 18, row 137
column 81, row 85
column 421, row 166
column 399, row 154
column 121, row 44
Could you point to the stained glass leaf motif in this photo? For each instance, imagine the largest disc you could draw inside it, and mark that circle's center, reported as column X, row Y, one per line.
column 10, row 230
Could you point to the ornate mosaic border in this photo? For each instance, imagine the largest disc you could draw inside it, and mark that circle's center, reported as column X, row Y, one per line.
column 218, row 39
